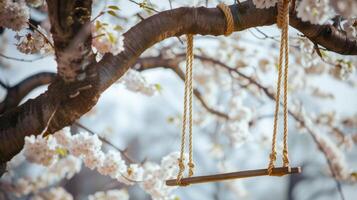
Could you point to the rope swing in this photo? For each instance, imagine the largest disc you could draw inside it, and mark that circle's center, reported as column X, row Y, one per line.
column 283, row 24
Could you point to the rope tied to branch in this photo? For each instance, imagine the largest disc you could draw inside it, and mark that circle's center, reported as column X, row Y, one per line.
column 283, row 24
column 229, row 18
column 187, row 110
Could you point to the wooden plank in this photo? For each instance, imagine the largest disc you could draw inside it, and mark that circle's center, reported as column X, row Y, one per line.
column 278, row 171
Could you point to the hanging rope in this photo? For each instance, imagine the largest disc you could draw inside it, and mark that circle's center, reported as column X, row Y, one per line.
column 283, row 24
column 187, row 110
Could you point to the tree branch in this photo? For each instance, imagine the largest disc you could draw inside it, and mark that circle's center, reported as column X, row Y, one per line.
column 17, row 92
column 173, row 64
column 31, row 117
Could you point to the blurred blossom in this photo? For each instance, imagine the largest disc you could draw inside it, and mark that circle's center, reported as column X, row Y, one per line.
column 316, row 12
column 107, row 38
column 35, row 42
column 134, row 81
column 57, row 193
column 265, row 3
column 110, row 195
column 14, row 14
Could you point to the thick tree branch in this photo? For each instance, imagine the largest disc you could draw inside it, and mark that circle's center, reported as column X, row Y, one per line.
column 73, row 101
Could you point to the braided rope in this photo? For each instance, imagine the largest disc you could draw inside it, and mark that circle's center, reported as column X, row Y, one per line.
column 188, row 97
column 283, row 24
column 229, row 18
column 189, row 66
column 286, row 74
column 187, row 110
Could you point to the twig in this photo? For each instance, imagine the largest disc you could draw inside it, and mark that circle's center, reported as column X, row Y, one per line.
column 21, row 59
column 143, row 5
column 42, row 34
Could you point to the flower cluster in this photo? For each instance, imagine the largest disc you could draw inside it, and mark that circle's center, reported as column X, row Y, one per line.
column 107, row 38
column 151, row 176
column 110, row 195
column 35, row 42
column 264, row 3
column 14, row 14
column 346, row 8
column 351, row 27
column 63, row 168
column 155, row 176
column 134, row 81
column 40, row 150
column 316, row 12
column 237, row 127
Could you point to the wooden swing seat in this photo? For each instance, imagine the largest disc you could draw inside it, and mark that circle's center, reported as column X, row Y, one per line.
column 278, row 171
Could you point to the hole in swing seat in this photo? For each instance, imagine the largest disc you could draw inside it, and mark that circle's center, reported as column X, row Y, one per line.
column 278, row 171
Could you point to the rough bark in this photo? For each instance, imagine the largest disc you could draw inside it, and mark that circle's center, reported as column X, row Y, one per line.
column 70, row 28
column 68, row 101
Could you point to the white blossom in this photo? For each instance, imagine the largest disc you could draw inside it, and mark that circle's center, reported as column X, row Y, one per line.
column 315, row 12
column 351, row 27
column 63, row 137
column 14, row 14
column 33, row 43
column 264, row 3
column 64, row 168
column 346, row 8
column 237, row 127
column 94, row 160
column 107, row 38
column 155, row 176
column 40, row 150
column 84, row 144
column 133, row 174
column 110, row 195
column 134, row 81
column 113, row 165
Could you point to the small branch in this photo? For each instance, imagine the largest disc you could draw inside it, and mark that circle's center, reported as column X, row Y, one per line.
column 17, row 92
column 42, row 34
column 143, row 5
column 198, row 95
column 173, row 64
column 21, row 59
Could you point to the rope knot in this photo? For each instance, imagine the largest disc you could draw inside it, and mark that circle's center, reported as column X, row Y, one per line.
column 181, row 163
column 229, row 18
column 191, row 167
column 273, row 156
